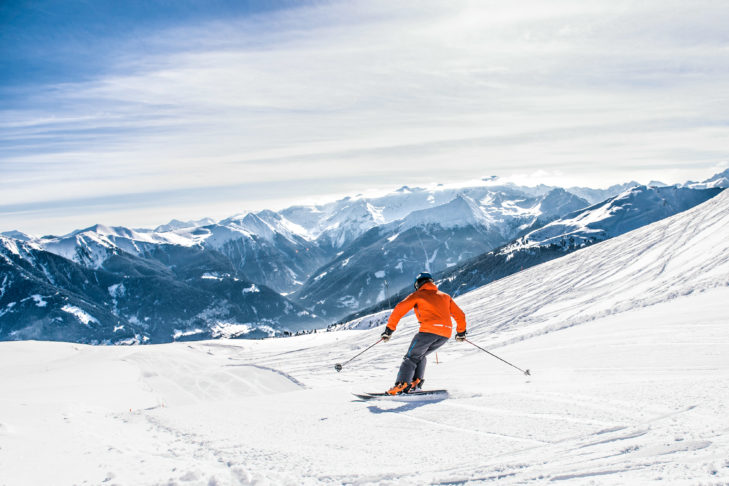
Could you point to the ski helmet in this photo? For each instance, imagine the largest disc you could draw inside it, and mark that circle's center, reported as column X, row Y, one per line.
column 421, row 279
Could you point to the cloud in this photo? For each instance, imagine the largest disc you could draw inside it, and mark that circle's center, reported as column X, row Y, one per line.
column 380, row 93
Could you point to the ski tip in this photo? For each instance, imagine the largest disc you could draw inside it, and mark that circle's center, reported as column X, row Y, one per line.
column 363, row 397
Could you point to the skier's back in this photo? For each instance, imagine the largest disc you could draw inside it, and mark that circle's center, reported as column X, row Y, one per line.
column 433, row 310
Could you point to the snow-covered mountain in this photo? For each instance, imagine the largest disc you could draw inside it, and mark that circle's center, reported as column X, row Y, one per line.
column 595, row 196
column 176, row 224
column 384, row 259
column 265, row 247
column 720, row 180
column 17, row 235
column 634, row 208
column 339, row 223
column 93, row 246
column 625, row 340
column 45, row 296
column 336, row 258
column 176, row 292
column 284, row 249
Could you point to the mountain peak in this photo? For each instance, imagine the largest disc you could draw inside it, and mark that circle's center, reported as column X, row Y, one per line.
column 559, row 201
column 459, row 211
column 176, row 224
column 718, row 180
column 17, row 235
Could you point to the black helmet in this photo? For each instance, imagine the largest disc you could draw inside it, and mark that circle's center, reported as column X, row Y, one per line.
column 421, row 279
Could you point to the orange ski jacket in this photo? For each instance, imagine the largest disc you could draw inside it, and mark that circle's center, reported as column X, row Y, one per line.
column 433, row 309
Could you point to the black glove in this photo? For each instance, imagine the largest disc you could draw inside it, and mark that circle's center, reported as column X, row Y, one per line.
column 460, row 336
column 386, row 335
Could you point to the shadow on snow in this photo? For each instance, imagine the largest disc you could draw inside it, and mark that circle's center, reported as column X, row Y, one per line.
column 405, row 407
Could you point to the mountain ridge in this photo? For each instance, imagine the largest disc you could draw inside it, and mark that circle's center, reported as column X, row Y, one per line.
column 319, row 263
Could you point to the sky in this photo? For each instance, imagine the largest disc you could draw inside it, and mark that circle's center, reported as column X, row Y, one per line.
column 133, row 113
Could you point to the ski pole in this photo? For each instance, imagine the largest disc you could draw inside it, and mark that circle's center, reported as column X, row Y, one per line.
column 339, row 366
column 492, row 354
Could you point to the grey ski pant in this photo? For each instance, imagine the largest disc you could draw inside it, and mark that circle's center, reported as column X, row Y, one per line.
column 413, row 363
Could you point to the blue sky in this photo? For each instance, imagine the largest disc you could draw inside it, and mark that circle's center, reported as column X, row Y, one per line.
column 136, row 112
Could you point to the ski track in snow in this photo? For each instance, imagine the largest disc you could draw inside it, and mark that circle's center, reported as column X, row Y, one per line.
column 197, row 433
column 629, row 385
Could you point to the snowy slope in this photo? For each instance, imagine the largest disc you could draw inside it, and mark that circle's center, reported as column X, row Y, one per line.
column 626, row 341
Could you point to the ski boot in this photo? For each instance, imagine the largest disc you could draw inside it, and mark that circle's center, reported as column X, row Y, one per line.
column 399, row 388
column 416, row 384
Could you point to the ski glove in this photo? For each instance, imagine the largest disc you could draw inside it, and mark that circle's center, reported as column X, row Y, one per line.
column 386, row 335
column 461, row 336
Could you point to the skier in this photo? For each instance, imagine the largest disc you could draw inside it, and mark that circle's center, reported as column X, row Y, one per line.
column 433, row 309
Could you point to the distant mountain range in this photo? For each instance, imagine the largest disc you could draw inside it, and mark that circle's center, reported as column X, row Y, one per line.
column 387, row 257
column 633, row 208
column 269, row 273
column 170, row 292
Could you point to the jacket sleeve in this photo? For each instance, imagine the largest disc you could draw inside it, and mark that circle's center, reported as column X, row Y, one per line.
column 459, row 316
column 401, row 309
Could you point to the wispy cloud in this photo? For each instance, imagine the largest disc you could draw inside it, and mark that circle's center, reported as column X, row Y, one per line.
column 377, row 94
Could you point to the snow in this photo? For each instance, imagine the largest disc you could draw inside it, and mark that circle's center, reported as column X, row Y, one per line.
column 266, row 224
column 10, row 244
column 484, row 203
column 176, row 224
column 488, row 204
column 39, row 300
column 633, row 208
column 380, row 274
column 720, row 180
column 177, row 334
column 210, row 276
column 117, row 290
column 617, row 401
column 252, row 289
column 228, row 330
column 461, row 211
column 626, row 341
column 83, row 316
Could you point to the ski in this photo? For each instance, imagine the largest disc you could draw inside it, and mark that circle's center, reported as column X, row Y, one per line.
column 416, row 395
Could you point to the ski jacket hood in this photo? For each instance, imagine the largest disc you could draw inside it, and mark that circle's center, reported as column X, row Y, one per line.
column 433, row 310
